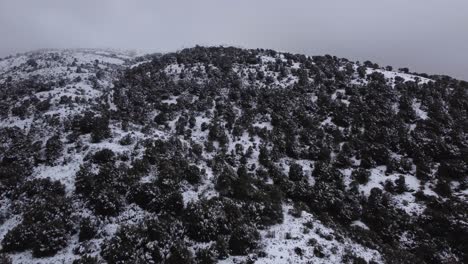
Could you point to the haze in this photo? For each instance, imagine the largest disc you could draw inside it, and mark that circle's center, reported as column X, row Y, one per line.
column 425, row 35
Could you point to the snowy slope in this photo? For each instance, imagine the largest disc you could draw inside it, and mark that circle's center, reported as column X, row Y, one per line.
column 79, row 81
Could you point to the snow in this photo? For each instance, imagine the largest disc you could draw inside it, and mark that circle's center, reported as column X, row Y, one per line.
column 280, row 249
column 174, row 68
column 139, row 63
column 419, row 112
column 171, row 100
column 296, row 65
column 327, row 122
column 360, row 224
column 307, row 167
column 63, row 173
column 391, row 75
column 9, row 224
column 8, row 64
column 346, row 102
column 16, row 122
column 64, row 256
column 266, row 59
column 266, row 125
column 91, row 58
column 406, row 200
column 333, row 96
column 314, row 98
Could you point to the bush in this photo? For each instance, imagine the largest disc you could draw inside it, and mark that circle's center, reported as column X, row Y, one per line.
column 193, row 174
column 106, row 202
column 361, row 175
column 244, row 239
column 295, row 172
column 318, row 252
column 127, row 140
column 4, row 259
column 361, row 71
column 206, row 220
column 400, row 185
column 443, row 188
column 225, row 182
column 179, row 253
column 97, row 126
column 222, row 247
column 104, row 191
column 86, row 259
column 103, row 156
column 49, row 239
column 17, row 239
column 124, row 246
column 54, row 147
column 452, row 170
column 88, row 230
column 205, row 256
column 298, row 251
column 423, row 171
column 46, row 223
column 173, row 203
column 147, row 196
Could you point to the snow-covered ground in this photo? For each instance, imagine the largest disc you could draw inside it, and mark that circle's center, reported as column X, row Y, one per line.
column 296, row 240
column 305, row 239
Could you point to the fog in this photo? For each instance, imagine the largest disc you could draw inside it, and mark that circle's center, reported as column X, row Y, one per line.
column 425, row 35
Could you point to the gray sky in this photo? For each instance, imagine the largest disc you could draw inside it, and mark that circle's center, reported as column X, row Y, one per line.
column 425, row 35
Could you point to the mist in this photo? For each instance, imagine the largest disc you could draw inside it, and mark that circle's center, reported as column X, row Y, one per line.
column 425, row 35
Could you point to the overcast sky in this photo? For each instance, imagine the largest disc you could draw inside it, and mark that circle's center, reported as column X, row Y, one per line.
column 425, row 35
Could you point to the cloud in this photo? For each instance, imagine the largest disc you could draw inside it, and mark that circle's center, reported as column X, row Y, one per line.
column 426, row 35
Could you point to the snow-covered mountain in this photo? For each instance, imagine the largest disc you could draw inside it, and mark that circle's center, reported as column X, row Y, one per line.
column 227, row 155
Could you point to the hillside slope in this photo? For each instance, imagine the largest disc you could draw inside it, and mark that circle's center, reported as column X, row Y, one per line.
column 227, row 155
